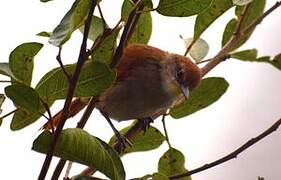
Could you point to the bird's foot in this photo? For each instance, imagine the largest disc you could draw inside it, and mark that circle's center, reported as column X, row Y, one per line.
column 146, row 123
column 122, row 143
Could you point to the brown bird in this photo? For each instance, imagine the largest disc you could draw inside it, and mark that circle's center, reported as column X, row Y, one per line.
column 149, row 82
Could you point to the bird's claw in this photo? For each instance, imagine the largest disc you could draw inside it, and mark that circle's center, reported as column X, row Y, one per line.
column 122, row 143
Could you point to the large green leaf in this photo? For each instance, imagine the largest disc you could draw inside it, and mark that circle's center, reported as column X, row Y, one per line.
column 151, row 139
column 209, row 91
column 79, row 146
column 21, row 61
column 209, row 15
column 143, row 28
column 24, row 97
column 107, row 48
column 94, row 79
column 96, row 28
column 254, row 11
column 73, row 19
column 172, row 162
column 182, row 8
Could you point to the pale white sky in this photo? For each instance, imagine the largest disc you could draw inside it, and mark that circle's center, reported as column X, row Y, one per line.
column 251, row 104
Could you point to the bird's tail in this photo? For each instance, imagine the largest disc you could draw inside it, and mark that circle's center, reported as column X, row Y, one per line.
column 75, row 107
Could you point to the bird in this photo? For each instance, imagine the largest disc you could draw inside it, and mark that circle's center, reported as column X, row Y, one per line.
column 149, row 82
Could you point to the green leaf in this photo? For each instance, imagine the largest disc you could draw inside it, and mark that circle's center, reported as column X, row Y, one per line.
column 246, row 55
column 241, row 2
column 23, row 97
column 171, row 163
column 276, row 62
column 21, row 61
column 228, row 31
column 94, row 79
column 107, row 48
column 73, row 19
column 182, row 8
column 251, row 56
column 44, row 34
column 208, row 92
column 149, row 140
column 254, row 11
column 209, row 15
column 96, row 28
column 199, row 50
column 6, row 71
column 143, row 29
column 79, row 146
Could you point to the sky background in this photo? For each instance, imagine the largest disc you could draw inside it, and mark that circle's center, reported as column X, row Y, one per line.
column 251, row 104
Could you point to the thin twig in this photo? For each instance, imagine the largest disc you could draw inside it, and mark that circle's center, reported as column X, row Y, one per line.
column 5, row 81
column 165, row 130
column 234, row 154
column 8, row 114
column 102, row 17
column 127, row 32
column 50, row 119
column 58, row 58
column 241, row 19
column 72, row 86
column 68, row 168
column 80, row 124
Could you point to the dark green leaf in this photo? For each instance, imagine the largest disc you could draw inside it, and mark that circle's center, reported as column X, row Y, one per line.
column 5, row 70
column 79, row 146
column 208, row 16
column 23, row 97
column 44, row 34
column 94, row 79
column 209, row 91
column 171, row 163
column 149, row 140
column 21, row 61
column 182, row 8
column 107, row 48
column 143, row 28
column 23, row 118
column 96, row 28
column 254, row 11
column 247, row 55
column 73, row 19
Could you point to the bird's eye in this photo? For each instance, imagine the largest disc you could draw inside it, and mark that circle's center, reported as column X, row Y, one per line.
column 179, row 74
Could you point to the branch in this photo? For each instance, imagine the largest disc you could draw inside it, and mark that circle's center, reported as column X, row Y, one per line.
column 127, row 32
column 165, row 130
column 70, row 93
column 234, row 154
column 223, row 54
column 58, row 58
column 80, row 124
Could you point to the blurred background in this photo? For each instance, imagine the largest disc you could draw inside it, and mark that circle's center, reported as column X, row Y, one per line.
column 251, row 104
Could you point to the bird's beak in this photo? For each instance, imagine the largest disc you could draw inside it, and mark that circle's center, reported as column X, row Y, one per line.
column 185, row 91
